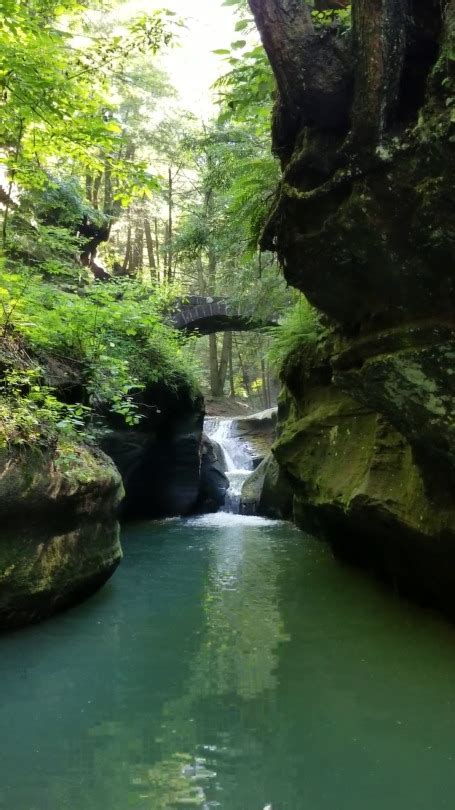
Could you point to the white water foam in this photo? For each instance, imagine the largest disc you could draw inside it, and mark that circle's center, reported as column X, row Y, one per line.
column 237, row 456
column 230, row 519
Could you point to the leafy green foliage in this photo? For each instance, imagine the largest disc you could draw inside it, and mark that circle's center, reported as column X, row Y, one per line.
column 114, row 332
column 31, row 414
column 340, row 17
column 111, row 337
column 246, row 91
column 73, row 87
column 80, row 130
column 55, row 98
column 43, row 229
column 301, row 329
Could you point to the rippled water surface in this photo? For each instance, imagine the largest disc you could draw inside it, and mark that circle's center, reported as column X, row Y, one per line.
column 230, row 663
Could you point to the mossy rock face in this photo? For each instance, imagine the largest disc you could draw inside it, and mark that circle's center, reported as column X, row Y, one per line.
column 60, row 537
column 43, row 571
column 359, row 482
column 77, row 481
column 371, row 239
column 160, row 458
column 267, row 491
column 365, row 229
column 412, row 385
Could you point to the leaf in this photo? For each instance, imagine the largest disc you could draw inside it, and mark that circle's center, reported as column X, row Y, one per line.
column 113, row 126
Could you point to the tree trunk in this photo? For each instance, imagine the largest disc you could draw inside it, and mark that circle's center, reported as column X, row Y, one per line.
column 165, row 252
column 245, row 377
column 150, row 250
column 137, row 253
column 96, row 189
column 201, row 286
column 284, row 25
column 157, row 244
column 212, row 261
column 170, row 226
column 224, row 361
column 127, row 259
column 214, row 375
column 231, row 373
column 89, row 187
column 379, row 30
column 108, row 192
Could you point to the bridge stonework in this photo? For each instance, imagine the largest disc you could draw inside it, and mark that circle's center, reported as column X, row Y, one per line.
column 206, row 315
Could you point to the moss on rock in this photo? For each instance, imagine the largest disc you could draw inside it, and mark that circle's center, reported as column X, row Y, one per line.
column 267, row 491
column 367, row 431
column 360, row 483
column 60, row 539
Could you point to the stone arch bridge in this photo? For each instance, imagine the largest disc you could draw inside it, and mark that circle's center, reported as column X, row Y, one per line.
column 206, row 315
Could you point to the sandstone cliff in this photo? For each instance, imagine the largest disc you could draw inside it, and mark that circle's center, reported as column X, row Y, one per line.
column 364, row 225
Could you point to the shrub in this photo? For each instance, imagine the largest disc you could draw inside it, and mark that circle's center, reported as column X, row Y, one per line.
column 302, row 328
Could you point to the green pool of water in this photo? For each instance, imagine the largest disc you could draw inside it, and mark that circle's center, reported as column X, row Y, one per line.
column 230, row 663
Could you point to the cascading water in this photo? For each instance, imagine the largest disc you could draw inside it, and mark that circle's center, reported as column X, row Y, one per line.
column 237, row 457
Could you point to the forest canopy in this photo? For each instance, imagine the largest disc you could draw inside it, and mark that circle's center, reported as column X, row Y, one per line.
column 115, row 202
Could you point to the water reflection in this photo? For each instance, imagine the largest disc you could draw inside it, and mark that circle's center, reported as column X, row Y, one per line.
column 236, row 656
column 243, row 625
column 230, row 663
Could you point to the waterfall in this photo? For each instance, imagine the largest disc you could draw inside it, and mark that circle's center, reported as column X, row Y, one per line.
column 237, row 458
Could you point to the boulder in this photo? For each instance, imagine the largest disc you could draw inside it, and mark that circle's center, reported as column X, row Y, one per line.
column 213, row 483
column 217, row 452
column 257, row 431
column 160, row 471
column 267, row 491
column 60, row 536
column 407, row 374
column 360, row 483
column 160, row 458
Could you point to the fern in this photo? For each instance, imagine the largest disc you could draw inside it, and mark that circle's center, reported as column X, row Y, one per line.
column 301, row 329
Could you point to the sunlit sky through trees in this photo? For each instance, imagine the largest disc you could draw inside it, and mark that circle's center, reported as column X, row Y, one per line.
column 191, row 64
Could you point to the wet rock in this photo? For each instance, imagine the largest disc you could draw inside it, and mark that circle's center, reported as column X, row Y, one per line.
column 267, row 491
column 407, row 374
column 363, row 226
column 213, row 483
column 60, row 535
column 160, row 471
column 359, row 482
column 217, row 452
column 160, row 458
column 257, row 432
